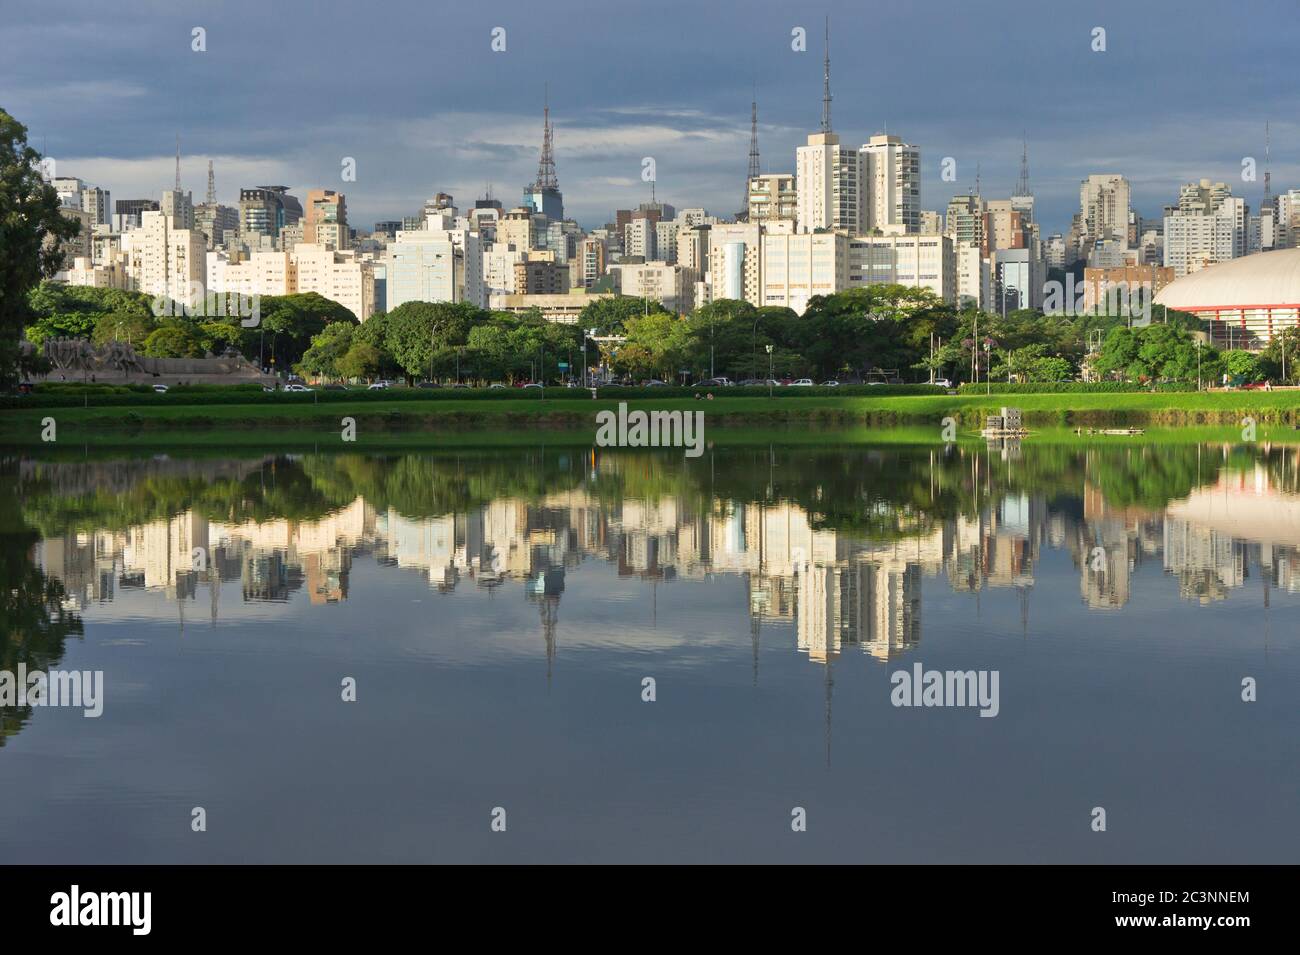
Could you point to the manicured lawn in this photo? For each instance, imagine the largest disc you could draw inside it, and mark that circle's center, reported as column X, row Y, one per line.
column 190, row 421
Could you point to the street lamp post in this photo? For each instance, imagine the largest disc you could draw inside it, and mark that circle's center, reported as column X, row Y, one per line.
column 769, row 371
column 1198, row 364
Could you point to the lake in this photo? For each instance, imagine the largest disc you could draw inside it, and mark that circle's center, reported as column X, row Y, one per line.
column 579, row 654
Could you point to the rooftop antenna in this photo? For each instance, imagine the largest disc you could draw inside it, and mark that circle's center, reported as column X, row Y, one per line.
column 826, row 81
column 212, row 185
column 977, row 180
column 178, row 162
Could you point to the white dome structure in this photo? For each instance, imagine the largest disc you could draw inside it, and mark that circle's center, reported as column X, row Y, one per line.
column 1246, row 301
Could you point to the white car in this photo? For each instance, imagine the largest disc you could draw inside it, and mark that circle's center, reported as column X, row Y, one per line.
column 802, row 383
column 161, row 389
column 943, row 382
column 377, row 386
column 296, row 387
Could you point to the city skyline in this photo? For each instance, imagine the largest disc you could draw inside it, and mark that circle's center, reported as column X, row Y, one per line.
column 112, row 118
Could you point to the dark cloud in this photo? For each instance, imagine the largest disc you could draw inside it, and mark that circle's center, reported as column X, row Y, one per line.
column 412, row 90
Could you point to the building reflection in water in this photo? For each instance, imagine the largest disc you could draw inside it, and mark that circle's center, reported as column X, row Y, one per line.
column 836, row 590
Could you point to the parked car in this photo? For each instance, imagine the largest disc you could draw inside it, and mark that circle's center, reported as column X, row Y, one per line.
column 943, row 382
column 802, row 383
column 653, row 383
column 714, row 383
column 161, row 389
column 377, row 386
column 294, row 386
column 496, row 384
column 427, row 384
column 830, row 384
column 334, row 388
column 532, row 384
column 752, row 382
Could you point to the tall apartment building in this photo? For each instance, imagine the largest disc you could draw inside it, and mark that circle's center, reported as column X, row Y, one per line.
column 522, row 228
column 325, row 219
column 219, row 223
column 1104, row 205
column 1009, row 225
column 773, row 196
column 499, row 269
column 967, row 222
column 338, row 276
column 641, row 238
column 168, row 261
column 590, row 262
column 423, row 266
column 828, row 176
column 891, row 185
column 1209, row 225
column 1288, row 220
column 178, row 206
column 541, row 277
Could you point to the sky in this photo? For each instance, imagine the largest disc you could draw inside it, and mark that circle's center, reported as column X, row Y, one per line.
column 414, row 93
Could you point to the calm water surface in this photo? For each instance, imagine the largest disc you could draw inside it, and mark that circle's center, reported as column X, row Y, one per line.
column 500, row 610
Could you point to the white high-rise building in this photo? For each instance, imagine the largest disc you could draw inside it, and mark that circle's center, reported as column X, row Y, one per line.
column 340, row 276
column 179, row 208
column 422, row 267
column 891, row 185
column 1210, row 225
column 1104, row 204
column 828, row 178
column 167, row 262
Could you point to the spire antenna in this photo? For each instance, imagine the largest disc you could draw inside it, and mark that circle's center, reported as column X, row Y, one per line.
column 178, row 162
column 826, row 81
column 212, row 185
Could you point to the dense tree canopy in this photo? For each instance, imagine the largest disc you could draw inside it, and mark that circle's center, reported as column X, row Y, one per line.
column 31, row 230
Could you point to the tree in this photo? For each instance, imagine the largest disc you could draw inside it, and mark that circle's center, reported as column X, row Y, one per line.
column 321, row 359
column 289, row 322
column 362, row 360
column 175, row 338
column 31, row 230
column 609, row 315
column 416, row 332
column 1283, row 350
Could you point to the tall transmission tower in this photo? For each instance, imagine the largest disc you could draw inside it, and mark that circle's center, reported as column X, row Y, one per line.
column 546, row 165
column 755, row 168
column 1022, row 184
column 178, row 162
column 826, row 81
column 1268, row 176
column 212, row 185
